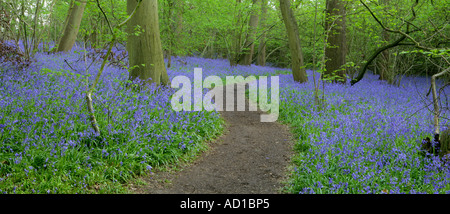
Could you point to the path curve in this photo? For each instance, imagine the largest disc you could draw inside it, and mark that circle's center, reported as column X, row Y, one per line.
column 251, row 157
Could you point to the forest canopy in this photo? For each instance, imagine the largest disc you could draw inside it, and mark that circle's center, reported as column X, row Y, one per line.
column 211, row 28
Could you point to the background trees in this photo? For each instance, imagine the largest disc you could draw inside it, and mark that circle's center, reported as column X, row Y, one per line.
column 261, row 52
column 251, row 31
column 246, row 57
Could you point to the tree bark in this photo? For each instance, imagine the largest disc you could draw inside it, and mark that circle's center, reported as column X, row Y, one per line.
column 170, row 30
column 261, row 57
column 335, row 51
column 437, row 110
column 246, row 57
column 178, row 28
column 72, row 25
column 236, row 34
column 384, row 60
column 174, row 21
column 35, row 40
column 298, row 70
column 145, row 53
column 444, row 137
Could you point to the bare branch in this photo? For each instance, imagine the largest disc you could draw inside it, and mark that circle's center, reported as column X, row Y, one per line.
column 417, row 44
column 435, row 99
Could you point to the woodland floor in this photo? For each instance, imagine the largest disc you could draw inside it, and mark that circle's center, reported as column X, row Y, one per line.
column 251, row 157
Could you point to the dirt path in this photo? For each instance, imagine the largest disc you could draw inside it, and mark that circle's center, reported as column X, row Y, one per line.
column 250, row 158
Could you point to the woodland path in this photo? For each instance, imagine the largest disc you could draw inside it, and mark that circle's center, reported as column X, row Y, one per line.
column 251, row 157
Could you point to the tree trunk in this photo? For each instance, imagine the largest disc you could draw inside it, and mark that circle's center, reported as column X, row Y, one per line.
column 236, row 34
column 298, row 70
column 261, row 57
column 178, row 27
column 383, row 62
column 437, row 110
column 145, row 53
column 168, row 15
column 72, row 25
column 335, row 51
column 24, row 27
column 35, row 40
column 2, row 19
column 246, row 57
column 209, row 51
column 384, row 59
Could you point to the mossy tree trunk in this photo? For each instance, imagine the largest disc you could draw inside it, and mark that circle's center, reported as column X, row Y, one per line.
column 246, row 56
column 236, row 34
column 72, row 25
column 335, row 51
column 298, row 70
column 261, row 57
column 144, row 48
column 384, row 60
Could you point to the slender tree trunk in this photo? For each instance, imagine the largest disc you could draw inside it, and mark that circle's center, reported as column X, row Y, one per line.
column 72, row 25
column 178, row 27
column 35, row 40
column 335, row 51
column 174, row 20
column 383, row 62
column 298, row 69
column 145, row 53
column 2, row 17
column 2, row 30
column 261, row 57
column 170, row 30
column 437, row 110
column 236, row 34
column 246, row 57
column 24, row 27
column 93, row 38
column 210, row 48
column 48, row 28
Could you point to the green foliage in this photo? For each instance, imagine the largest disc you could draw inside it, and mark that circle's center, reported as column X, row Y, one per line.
column 191, row 27
column 434, row 53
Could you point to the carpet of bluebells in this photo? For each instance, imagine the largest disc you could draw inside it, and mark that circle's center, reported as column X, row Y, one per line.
column 48, row 145
column 366, row 139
